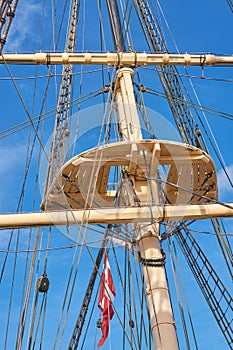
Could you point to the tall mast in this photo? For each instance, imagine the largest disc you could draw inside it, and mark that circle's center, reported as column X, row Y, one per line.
column 115, row 22
column 146, row 213
column 148, row 237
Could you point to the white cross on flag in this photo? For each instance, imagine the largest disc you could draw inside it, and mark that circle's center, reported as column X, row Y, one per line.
column 106, row 296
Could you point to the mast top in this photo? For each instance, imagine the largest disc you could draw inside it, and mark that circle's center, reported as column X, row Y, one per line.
column 71, row 187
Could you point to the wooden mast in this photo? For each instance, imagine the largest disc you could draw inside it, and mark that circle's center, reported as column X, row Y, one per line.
column 148, row 238
column 151, row 214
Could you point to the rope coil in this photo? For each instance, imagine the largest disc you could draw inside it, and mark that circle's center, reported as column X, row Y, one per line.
column 154, row 262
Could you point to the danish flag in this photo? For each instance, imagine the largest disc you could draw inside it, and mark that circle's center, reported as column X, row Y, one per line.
column 106, row 296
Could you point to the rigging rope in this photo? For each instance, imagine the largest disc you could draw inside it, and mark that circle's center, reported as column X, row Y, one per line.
column 210, row 110
column 25, row 108
column 49, row 249
column 7, row 13
column 213, row 143
column 42, row 314
column 21, row 328
column 89, row 321
column 57, row 75
column 144, row 311
column 178, row 292
column 187, row 75
column 11, row 294
column 87, row 297
column 183, row 189
column 146, row 17
column 20, row 204
column 46, row 115
column 230, row 3
column 61, row 135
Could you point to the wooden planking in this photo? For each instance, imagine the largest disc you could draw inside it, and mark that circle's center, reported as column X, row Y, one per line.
column 89, row 172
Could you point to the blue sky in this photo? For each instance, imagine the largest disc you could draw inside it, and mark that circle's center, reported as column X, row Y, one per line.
column 196, row 27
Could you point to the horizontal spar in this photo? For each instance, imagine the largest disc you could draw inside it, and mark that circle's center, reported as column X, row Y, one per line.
column 117, row 59
column 116, row 215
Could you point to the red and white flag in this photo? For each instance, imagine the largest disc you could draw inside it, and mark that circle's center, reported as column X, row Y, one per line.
column 106, row 296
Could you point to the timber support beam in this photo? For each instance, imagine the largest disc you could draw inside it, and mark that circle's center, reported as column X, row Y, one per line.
column 134, row 59
column 145, row 214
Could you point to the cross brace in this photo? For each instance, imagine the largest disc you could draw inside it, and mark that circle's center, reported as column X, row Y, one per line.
column 117, row 59
column 147, row 214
